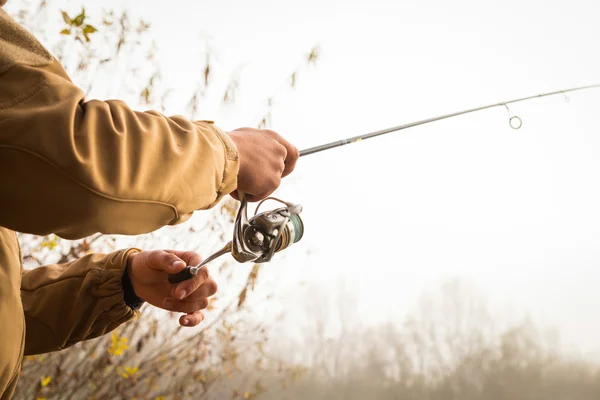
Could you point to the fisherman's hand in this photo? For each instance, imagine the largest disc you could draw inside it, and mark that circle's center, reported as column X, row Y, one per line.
column 149, row 271
column 265, row 158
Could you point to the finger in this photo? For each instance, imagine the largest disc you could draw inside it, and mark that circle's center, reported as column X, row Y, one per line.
column 185, row 288
column 161, row 260
column 291, row 156
column 170, row 304
column 258, row 197
column 270, row 187
column 207, row 289
column 190, row 257
column 192, row 319
column 290, row 161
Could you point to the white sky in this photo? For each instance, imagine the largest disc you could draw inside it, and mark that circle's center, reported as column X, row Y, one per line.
column 514, row 212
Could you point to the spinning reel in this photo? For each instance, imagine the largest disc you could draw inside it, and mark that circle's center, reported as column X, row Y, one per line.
column 256, row 239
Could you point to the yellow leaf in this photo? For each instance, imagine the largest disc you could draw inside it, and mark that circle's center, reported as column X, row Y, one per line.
column 211, row 302
column 78, row 20
column 66, row 18
column 242, row 297
column 129, row 371
column 50, row 242
column 246, row 395
column 118, row 345
column 45, row 380
column 89, row 29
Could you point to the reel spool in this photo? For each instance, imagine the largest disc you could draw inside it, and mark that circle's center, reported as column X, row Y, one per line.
column 266, row 233
column 256, row 239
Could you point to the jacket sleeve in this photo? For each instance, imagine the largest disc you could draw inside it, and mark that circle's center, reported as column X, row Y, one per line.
column 68, row 303
column 74, row 167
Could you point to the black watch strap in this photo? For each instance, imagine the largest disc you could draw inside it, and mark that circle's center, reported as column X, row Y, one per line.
column 131, row 299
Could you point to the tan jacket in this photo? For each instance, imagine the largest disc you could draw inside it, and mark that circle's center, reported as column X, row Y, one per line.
column 74, row 167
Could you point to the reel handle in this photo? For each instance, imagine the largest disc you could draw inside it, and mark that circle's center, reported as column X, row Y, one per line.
column 190, row 271
column 181, row 276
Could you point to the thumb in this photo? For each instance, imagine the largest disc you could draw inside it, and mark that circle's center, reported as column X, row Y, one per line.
column 160, row 260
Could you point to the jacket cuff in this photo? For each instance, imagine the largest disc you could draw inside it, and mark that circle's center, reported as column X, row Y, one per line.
column 232, row 162
column 129, row 296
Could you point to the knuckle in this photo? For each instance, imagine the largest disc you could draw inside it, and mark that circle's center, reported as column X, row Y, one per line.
column 202, row 304
column 283, row 153
column 276, row 164
column 188, row 254
column 166, row 257
column 295, row 154
column 275, row 181
column 280, row 149
column 204, row 274
column 278, row 167
column 212, row 287
column 193, row 257
column 154, row 256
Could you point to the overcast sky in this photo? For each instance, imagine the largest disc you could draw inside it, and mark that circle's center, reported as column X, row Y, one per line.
column 513, row 212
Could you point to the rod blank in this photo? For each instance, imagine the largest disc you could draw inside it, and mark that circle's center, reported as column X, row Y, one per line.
column 355, row 139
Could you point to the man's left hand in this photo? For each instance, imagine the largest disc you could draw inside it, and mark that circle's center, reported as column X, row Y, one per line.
column 148, row 272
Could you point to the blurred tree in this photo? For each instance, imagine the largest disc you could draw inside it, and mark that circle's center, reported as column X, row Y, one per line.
column 448, row 348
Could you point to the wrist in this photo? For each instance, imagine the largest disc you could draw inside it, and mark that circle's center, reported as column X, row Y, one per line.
column 129, row 295
column 233, row 140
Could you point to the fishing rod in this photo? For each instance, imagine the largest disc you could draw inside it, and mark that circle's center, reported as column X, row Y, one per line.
column 258, row 238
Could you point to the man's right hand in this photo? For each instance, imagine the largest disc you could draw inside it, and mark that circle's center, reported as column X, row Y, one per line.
column 265, row 158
